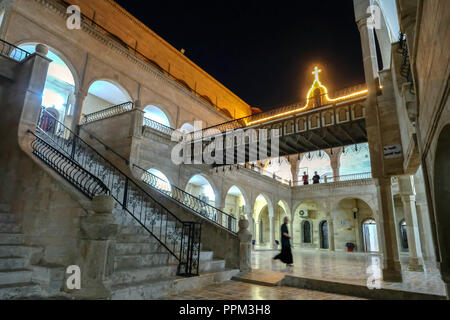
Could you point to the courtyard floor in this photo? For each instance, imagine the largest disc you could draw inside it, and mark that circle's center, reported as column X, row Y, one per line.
column 349, row 268
column 232, row 290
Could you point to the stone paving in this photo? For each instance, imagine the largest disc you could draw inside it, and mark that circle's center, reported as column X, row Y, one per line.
column 232, row 290
column 349, row 268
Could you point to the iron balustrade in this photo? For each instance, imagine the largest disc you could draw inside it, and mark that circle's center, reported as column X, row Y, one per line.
column 11, row 51
column 158, row 127
column 83, row 180
column 405, row 68
column 344, row 178
column 186, row 199
column 193, row 203
column 181, row 239
column 108, row 113
column 263, row 172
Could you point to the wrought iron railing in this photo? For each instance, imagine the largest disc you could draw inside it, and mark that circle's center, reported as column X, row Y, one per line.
column 188, row 200
column 108, row 113
column 349, row 177
column 181, row 239
column 261, row 171
column 11, row 51
column 83, row 180
column 158, row 127
column 405, row 68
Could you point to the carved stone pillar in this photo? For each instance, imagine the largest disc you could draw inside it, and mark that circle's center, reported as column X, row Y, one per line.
column 295, row 168
column 245, row 248
column 98, row 233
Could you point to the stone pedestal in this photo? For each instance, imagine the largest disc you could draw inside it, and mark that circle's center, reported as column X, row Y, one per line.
column 98, row 233
column 245, row 249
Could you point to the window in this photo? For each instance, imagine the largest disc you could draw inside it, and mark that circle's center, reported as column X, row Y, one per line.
column 307, row 232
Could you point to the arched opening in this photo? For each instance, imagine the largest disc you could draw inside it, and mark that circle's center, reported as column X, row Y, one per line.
column 307, row 215
column 58, row 97
column 159, row 180
column 157, row 115
column 103, row 94
column 307, row 232
column 281, row 167
column 441, row 192
column 262, row 220
column 370, row 236
column 315, row 162
column 187, row 128
column 279, row 215
column 200, row 187
column 235, row 202
column 403, row 235
column 323, row 232
column 355, row 160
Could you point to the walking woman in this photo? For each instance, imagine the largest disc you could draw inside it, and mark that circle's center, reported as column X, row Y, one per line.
column 286, row 254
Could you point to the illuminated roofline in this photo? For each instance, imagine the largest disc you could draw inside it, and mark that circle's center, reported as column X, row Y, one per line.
column 316, row 85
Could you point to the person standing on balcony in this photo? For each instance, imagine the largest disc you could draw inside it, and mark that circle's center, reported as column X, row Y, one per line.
column 305, row 178
column 316, row 178
column 286, row 253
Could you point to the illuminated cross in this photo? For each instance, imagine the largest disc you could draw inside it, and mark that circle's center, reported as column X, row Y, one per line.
column 316, row 73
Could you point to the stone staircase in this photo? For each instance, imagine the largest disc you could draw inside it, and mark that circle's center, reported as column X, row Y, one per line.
column 16, row 273
column 144, row 270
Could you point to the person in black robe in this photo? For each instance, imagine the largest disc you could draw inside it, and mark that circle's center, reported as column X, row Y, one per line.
column 286, row 253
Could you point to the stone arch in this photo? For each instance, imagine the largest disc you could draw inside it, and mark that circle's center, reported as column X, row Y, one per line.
column 162, row 181
column 62, row 82
column 158, row 114
column 187, row 127
column 233, row 209
column 103, row 93
column 246, row 199
column 195, row 184
column 269, row 205
column 324, row 234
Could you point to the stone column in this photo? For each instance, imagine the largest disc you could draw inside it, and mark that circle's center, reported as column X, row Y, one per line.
column 428, row 251
column 408, row 196
column 257, row 232
column 295, row 168
column 77, row 109
column 392, row 271
column 98, row 233
column 245, row 248
column 272, row 232
column 331, row 234
column 335, row 162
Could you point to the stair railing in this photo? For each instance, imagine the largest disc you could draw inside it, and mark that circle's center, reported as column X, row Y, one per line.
column 198, row 206
column 181, row 239
column 108, row 113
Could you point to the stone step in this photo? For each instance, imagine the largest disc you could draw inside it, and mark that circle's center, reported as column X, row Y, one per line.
column 136, row 238
column 5, row 208
column 8, row 218
column 206, row 255
column 140, row 260
column 144, row 290
column 6, row 227
column 19, row 291
column 11, row 238
column 15, row 276
column 7, row 250
column 212, row 266
column 130, row 248
column 127, row 276
column 12, row 262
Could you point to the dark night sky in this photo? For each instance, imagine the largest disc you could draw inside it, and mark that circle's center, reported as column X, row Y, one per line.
column 264, row 51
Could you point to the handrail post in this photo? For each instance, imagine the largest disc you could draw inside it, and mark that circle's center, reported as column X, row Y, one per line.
column 125, row 195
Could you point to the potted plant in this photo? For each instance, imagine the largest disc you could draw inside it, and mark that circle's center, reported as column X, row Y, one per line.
column 350, row 247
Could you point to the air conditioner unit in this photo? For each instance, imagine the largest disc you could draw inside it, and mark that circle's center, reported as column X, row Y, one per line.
column 304, row 214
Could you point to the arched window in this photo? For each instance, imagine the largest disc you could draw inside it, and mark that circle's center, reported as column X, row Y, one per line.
column 324, row 235
column 307, row 232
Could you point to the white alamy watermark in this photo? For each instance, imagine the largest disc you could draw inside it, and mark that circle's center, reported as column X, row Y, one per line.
column 375, row 277
column 73, row 21
column 74, row 279
column 212, row 146
column 374, row 21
